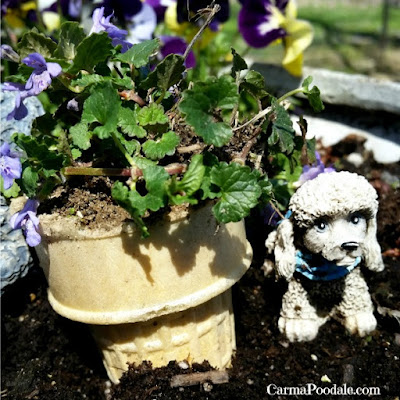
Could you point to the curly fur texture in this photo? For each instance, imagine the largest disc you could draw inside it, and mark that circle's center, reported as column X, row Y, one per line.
column 334, row 198
column 332, row 194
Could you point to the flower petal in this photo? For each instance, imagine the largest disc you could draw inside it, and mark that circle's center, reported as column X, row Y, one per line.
column 142, row 25
column 5, row 149
column 8, row 181
column 176, row 45
column 258, row 24
column 36, row 61
column 13, row 87
column 16, row 219
column 54, row 69
column 38, row 82
column 19, row 112
column 32, row 236
column 98, row 15
column 12, row 166
column 159, row 6
column 300, row 36
column 51, row 20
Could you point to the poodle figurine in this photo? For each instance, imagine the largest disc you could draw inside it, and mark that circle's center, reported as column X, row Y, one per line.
column 328, row 233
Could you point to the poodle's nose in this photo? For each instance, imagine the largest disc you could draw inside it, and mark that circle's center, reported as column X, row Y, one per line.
column 350, row 246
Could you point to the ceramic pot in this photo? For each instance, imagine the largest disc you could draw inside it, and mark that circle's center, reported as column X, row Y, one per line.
column 163, row 298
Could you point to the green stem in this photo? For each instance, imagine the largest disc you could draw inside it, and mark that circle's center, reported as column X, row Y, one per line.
column 161, row 98
column 291, row 93
column 65, row 82
column 134, row 172
column 123, row 150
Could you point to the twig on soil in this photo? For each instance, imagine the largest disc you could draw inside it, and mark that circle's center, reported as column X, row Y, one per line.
column 189, row 149
column 261, row 114
column 215, row 377
column 241, row 158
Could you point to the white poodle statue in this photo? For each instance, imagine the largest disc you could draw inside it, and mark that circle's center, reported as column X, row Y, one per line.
column 328, row 233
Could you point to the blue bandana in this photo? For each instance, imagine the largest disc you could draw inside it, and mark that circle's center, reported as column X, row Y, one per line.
column 325, row 271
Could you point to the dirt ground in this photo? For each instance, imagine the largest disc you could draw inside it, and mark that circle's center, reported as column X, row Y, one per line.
column 47, row 357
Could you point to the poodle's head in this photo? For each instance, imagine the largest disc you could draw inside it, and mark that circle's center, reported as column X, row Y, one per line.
column 335, row 215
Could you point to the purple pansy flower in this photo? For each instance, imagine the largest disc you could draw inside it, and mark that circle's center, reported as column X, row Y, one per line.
column 123, row 10
column 10, row 166
column 262, row 22
column 142, row 25
column 72, row 8
column 257, row 24
column 42, row 74
column 311, row 172
column 159, row 6
column 176, row 45
column 27, row 220
column 102, row 23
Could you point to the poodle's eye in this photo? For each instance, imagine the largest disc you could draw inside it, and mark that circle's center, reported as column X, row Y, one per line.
column 321, row 226
column 355, row 218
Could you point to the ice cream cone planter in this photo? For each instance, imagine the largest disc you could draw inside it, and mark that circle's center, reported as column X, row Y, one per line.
column 159, row 299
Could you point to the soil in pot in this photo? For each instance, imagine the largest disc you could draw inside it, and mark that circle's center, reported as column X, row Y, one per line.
column 45, row 356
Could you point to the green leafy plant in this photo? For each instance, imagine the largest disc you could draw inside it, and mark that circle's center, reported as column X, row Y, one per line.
column 164, row 140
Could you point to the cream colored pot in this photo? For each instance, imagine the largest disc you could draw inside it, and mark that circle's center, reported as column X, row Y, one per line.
column 159, row 299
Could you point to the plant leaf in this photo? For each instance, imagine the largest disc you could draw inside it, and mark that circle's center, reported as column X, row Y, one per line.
column 92, row 50
column 266, row 189
column 102, row 106
column 34, row 42
column 239, row 191
column 152, row 114
column 183, row 190
column 86, row 80
column 157, row 149
column 76, row 153
column 167, row 73
column 120, row 194
column 313, row 95
column 139, row 53
column 238, row 64
column 209, row 190
column 29, row 181
column 71, row 35
column 80, row 135
column 156, row 197
column 40, row 152
column 13, row 191
column 254, row 83
column 200, row 103
column 131, row 146
column 282, row 128
column 128, row 122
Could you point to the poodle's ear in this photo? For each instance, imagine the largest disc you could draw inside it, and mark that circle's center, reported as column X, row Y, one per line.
column 284, row 249
column 372, row 250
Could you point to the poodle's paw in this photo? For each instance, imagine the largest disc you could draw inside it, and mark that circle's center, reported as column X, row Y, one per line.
column 300, row 330
column 268, row 267
column 361, row 323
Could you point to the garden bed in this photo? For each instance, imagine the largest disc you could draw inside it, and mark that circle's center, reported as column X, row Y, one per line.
column 45, row 356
